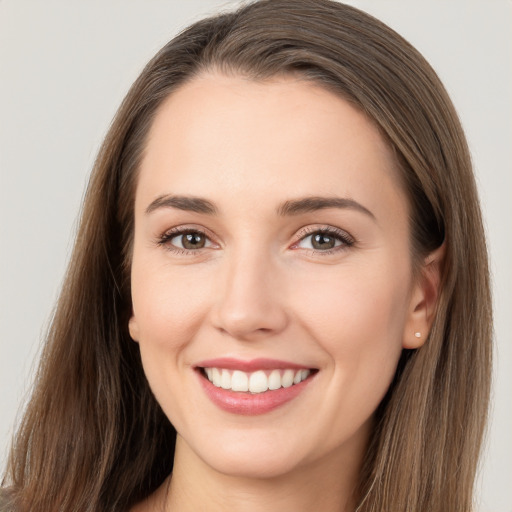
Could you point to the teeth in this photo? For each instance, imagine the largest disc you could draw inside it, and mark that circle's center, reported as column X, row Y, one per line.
column 274, row 380
column 258, row 382
column 255, row 382
column 239, row 381
column 215, row 377
column 225, row 379
column 287, row 379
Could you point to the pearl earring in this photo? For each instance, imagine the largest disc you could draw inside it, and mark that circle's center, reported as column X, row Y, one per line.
column 417, row 334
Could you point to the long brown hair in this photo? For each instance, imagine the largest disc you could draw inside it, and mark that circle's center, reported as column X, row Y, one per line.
column 93, row 437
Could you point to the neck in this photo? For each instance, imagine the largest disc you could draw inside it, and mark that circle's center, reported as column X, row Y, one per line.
column 326, row 484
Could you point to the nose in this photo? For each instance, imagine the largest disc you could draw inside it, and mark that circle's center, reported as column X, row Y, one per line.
column 250, row 303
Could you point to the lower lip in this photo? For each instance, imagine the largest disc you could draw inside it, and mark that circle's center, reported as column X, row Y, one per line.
column 250, row 404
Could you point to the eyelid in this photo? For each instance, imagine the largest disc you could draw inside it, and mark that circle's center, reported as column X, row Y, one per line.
column 165, row 238
column 345, row 237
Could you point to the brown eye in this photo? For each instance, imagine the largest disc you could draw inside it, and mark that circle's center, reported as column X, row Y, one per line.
column 192, row 240
column 326, row 240
column 185, row 240
column 322, row 241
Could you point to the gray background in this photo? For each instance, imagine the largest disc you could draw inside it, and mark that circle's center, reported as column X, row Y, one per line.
column 65, row 66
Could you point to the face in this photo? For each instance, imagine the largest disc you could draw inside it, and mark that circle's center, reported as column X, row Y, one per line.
column 272, row 257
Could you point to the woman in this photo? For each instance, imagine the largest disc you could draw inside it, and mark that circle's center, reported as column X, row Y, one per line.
column 270, row 299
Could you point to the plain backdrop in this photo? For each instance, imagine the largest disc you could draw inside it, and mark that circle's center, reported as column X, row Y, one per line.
column 64, row 68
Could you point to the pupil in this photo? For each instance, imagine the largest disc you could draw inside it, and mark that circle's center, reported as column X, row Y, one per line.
column 193, row 241
column 321, row 241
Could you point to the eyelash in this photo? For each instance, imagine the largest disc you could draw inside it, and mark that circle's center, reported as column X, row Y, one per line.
column 340, row 235
column 346, row 240
column 165, row 240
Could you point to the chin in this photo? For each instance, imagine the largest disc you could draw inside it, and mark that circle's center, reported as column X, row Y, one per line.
column 258, row 458
column 254, row 467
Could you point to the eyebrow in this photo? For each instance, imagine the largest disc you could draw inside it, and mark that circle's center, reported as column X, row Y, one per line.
column 186, row 203
column 288, row 208
column 313, row 203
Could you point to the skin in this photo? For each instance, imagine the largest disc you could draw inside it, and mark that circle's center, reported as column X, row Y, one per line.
column 258, row 288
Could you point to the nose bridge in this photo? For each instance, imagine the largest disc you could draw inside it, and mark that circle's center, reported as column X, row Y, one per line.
column 250, row 302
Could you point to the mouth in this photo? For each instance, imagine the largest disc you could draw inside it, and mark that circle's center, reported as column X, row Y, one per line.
column 255, row 387
column 258, row 381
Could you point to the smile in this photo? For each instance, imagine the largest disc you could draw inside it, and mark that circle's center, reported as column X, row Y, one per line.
column 255, row 382
column 252, row 387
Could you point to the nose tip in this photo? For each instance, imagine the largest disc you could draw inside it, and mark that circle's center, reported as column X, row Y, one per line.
column 250, row 303
column 245, row 327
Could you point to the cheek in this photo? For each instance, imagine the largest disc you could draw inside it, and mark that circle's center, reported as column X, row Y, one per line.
column 355, row 298
column 167, row 304
column 358, row 318
column 165, row 312
column 168, row 310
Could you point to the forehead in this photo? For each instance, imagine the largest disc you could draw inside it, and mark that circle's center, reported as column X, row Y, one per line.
column 231, row 137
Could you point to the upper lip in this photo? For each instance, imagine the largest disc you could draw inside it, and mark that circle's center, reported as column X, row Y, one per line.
column 230, row 363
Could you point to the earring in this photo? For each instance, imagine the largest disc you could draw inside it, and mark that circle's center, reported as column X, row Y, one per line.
column 417, row 334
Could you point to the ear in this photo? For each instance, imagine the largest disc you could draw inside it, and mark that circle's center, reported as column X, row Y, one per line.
column 133, row 327
column 423, row 300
